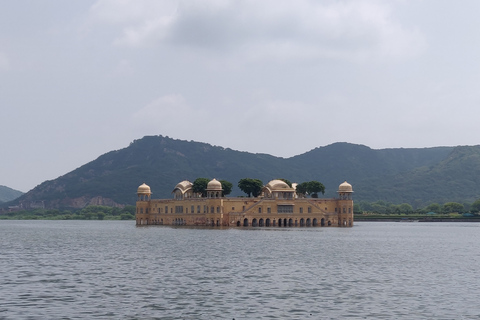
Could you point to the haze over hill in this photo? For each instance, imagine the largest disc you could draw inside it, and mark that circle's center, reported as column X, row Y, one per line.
column 417, row 176
column 8, row 194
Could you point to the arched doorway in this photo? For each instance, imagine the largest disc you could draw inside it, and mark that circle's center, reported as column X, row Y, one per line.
column 254, row 223
column 309, row 222
column 279, row 222
column 290, row 222
column 260, row 223
column 315, row 222
column 267, row 222
column 329, row 223
column 302, row 222
column 238, row 223
column 245, row 222
column 322, row 222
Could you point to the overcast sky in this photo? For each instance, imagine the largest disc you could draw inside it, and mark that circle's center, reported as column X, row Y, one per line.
column 81, row 78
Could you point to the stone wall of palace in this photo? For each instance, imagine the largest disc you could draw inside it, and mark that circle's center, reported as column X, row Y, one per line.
column 234, row 212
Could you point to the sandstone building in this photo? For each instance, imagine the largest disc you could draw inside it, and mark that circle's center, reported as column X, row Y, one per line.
column 277, row 206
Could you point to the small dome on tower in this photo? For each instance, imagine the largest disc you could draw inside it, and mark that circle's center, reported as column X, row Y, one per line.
column 144, row 189
column 345, row 187
column 214, row 185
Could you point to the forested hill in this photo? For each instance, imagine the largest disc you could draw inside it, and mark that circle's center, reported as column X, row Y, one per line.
column 395, row 175
column 8, row 194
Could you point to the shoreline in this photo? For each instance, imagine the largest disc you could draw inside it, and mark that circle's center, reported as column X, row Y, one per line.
column 418, row 220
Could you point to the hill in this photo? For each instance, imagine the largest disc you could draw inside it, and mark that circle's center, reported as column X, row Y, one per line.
column 8, row 194
column 397, row 175
column 454, row 178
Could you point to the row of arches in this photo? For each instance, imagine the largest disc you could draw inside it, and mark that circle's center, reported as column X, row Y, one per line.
column 284, row 222
column 175, row 222
column 257, row 222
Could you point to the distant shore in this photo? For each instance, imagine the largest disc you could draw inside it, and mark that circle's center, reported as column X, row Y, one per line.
column 379, row 218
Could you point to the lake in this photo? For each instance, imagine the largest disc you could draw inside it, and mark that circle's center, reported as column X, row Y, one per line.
column 114, row 270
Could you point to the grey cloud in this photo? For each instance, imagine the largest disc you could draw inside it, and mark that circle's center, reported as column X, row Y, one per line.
column 351, row 30
column 80, row 78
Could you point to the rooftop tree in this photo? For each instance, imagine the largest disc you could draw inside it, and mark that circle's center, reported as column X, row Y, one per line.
column 200, row 186
column 251, row 186
column 226, row 186
column 301, row 189
column 311, row 188
column 314, row 187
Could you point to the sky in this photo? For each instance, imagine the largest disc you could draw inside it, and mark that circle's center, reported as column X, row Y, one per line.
column 81, row 78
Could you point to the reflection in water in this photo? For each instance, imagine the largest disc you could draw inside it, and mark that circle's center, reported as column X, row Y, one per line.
column 113, row 270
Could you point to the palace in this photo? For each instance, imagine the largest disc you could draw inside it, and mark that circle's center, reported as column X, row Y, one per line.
column 277, row 206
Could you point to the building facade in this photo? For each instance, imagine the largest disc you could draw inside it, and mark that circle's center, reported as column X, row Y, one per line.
column 277, row 206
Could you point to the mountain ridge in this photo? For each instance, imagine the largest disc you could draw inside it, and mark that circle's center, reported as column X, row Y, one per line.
column 393, row 174
column 8, row 194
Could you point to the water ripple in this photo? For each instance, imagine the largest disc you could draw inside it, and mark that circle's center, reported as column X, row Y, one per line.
column 113, row 270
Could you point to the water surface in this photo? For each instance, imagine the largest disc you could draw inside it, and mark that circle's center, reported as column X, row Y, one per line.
column 114, row 270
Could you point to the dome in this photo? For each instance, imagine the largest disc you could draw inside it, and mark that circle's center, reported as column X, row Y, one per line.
column 277, row 185
column 183, row 186
column 345, row 187
column 214, row 185
column 144, row 189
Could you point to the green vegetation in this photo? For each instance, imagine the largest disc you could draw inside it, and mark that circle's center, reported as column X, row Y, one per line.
column 418, row 177
column 475, row 207
column 87, row 213
column 386, row 208
column 252, row 187
column 8, row 194
column 200, row 186
column 381, row 210
column 311, row 188
column 363, row 210
column 227, row 187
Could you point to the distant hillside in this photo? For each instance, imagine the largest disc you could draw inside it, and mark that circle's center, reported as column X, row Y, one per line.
column 455, row 178
column 8, row 194
column 363, row 166
column 397, row 175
